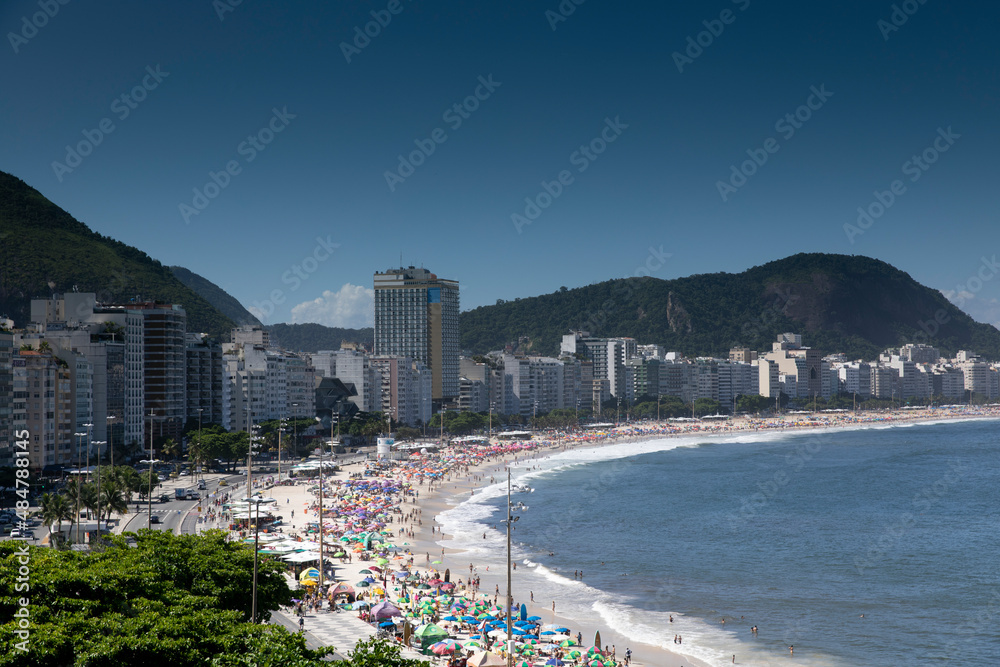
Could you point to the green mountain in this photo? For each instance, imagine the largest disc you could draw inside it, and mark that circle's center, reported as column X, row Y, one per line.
column 839, row 303
column 315, row 337
column 43, row 250
column 220, row 299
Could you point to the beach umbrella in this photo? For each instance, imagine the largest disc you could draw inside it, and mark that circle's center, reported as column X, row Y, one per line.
column 385, row 609
column 534, row 618
column 486, row 659
column 574, row 654
column 446, row 646
column 567, row 642
column 363, row 584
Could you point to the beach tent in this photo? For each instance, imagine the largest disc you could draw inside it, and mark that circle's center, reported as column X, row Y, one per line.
column 430, row 634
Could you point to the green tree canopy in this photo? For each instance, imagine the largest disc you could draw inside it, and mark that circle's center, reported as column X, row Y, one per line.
column 179, row 601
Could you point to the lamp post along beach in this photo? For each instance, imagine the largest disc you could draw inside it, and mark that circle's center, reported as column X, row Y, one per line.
column 79, row 446
column 510, row 597
column 149, row 481
column 100, row 444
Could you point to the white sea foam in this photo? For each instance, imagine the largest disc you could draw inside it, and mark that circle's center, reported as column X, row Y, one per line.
column 468, row 521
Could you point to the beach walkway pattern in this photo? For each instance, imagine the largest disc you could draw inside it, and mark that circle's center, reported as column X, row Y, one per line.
column 342, row 630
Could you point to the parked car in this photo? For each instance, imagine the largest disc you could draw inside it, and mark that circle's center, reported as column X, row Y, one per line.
column 16, row 533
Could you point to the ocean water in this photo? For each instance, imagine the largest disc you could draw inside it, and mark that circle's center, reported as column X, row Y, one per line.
column 799, row 534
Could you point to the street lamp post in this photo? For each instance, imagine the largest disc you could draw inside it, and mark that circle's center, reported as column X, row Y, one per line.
column 199, row 450
column 100, row 444
column 510, row 598
column 319, row 589
column 149, row 487
column 79, row 446
column 111, row 438
column 281, row 429
column 256, row 547
column 89, row 426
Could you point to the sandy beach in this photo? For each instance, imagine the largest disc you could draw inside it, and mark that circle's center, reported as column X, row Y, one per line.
column 413, row 526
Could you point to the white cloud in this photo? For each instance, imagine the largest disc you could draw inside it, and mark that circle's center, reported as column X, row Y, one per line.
column 353, row 307
column 979, row 309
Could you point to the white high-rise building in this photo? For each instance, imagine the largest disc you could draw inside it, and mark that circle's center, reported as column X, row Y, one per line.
column 416, row 316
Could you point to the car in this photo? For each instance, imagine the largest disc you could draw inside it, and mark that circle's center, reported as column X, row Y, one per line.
column 164, row 498
column 154, row 518
column 185, row 473
column 16, row 533
column 202, row 485
column 223, row 482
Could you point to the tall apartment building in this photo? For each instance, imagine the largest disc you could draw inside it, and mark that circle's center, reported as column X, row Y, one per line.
column 802, row 366
column 111, row 338
column 406, row 389
column 884, row 381
column 250, row 335
column 354, row 369
column 948, row 382
column 473, row 395
column 920, row 353
column 164, row 365
column 977, row 377
column 416, row 316
column 6, row 399
column 855, row 378
column 49, row 410
column 608, row 356
column 204, row 379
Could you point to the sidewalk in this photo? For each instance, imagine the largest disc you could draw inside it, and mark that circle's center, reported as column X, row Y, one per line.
column 342, row 630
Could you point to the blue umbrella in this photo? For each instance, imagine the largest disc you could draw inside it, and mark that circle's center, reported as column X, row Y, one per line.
column 548, row 632
column 470, row 619
column 554, row 661
column 450, row 618
column 385, row 624
column 534, row 618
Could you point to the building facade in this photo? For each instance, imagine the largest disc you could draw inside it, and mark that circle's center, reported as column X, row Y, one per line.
column 416, row 316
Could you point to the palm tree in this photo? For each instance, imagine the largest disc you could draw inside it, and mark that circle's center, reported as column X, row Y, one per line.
column 127, row 480
column 55, row 509
column 88, row 496
column 172, row 450
column 112, row 498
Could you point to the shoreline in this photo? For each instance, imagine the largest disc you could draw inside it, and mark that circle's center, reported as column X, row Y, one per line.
column 463, row 481
column 442, row 499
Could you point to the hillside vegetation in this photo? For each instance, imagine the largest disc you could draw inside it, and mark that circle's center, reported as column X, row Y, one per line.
column 44, row 250
column 839, row 303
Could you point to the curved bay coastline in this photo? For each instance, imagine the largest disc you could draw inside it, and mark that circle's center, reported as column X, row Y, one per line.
column 442, row 538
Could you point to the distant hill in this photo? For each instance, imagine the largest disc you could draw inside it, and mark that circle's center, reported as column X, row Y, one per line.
column 315, row 337
column 225, row 303
column 43, row 250
column 839, row 303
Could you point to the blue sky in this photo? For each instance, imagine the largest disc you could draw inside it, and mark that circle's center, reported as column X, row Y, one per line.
column 623, row 124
